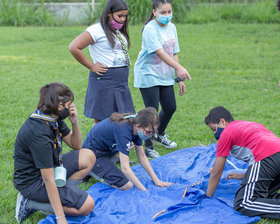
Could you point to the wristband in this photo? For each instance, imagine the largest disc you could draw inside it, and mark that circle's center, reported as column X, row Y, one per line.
column 59, row 217
column 178, row 79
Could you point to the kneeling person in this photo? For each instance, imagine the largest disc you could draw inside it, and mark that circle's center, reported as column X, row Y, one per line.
column 38, row 151
column 255, row 144
column 116, row 134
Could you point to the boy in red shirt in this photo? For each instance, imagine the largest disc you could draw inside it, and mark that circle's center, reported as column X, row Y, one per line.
column 255, row 144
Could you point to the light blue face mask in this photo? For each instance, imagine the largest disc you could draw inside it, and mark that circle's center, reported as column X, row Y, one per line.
column 142, row 135
column 164, row 19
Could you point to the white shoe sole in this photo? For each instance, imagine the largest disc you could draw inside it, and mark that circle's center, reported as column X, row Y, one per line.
column 172, row 146
column 19, row 198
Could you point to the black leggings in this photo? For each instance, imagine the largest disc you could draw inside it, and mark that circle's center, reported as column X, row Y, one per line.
column 165, row 96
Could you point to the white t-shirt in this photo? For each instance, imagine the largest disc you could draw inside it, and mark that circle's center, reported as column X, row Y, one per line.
column 101, row 50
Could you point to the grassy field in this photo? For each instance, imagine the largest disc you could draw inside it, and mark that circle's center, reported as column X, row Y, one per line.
column 234, row 65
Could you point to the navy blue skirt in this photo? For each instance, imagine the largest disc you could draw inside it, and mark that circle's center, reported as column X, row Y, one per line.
column 108, row 93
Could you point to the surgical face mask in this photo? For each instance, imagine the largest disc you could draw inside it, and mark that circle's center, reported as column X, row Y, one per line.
column 164, row 19
column 218, row 133
column 142, row 135
column 63, row 114
column 116, row 25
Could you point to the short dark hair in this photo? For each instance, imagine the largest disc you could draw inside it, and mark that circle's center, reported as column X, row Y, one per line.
column 111, row 7
column 51, row 95
column 216, row 114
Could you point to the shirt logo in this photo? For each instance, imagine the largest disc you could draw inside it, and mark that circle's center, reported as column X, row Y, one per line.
column 128, row 146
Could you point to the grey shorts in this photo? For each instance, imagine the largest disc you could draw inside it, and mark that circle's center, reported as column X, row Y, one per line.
column 104, row 168
column 70, row 196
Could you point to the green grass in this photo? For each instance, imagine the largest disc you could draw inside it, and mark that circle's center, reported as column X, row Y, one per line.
column 234, row 65
column 18, row 13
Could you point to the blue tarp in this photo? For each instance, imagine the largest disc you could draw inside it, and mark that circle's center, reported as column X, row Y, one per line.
column 185, row 167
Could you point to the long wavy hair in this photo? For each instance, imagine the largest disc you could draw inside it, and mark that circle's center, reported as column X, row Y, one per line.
column 111, row 7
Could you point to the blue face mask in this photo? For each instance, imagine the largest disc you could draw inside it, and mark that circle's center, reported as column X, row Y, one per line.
column 164, row 19
column 218, row 133
column 143, row 136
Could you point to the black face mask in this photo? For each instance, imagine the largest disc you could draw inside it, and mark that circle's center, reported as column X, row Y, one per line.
column 63, row 114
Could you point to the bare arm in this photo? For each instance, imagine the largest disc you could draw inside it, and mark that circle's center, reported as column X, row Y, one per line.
column 53, row 195
column 181, row 72
column 127, row 171
column 76, row 47
column 147, row 166
column 216, row 175
column 74, row 138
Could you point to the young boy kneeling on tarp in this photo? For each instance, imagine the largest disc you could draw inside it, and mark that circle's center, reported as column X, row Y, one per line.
column 45, row 178
column 255, row 144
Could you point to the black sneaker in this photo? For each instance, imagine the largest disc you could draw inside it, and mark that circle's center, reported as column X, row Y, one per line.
column 164, row 141
column 151, row 153
column 22, row 209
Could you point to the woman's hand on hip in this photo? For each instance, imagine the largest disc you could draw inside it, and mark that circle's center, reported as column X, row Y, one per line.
column 98, row 68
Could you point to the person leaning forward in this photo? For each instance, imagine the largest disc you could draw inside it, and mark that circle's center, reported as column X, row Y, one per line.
column 38, row 153
column 253, row 143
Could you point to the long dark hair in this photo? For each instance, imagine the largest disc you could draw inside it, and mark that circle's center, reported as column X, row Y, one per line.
column 111, row 7
column 146, row 117
column 51, row 95
column 155, row 5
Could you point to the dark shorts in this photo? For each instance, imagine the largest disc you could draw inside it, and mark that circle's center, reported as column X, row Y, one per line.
column 108, row 93
column 70, row 196
column 105, row 169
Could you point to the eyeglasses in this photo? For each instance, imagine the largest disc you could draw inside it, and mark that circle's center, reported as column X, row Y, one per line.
column 150, row 133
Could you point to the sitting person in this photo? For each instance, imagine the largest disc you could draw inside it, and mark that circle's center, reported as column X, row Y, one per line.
column 255, row 144
column 116, row 134
column 38, row 152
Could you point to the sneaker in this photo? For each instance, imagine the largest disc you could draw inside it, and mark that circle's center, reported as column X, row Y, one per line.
column 151, row 153
column 163, row 140
column 22, row 209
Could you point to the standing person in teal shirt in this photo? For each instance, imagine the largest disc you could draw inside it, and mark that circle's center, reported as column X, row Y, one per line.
column 155, row 68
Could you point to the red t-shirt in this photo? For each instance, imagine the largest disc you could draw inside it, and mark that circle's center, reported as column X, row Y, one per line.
column 245, row 140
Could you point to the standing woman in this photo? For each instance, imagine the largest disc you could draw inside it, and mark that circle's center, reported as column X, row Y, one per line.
column 155, row 68
column 108, row 43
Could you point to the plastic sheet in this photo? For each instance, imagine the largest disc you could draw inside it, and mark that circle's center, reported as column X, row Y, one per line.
column 183, row 202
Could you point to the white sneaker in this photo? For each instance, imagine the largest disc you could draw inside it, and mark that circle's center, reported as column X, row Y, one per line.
column 151, row 153
column 164, row 141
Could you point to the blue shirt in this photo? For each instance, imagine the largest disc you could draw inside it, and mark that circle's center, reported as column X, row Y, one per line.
column 110, row 137
column 149, row 69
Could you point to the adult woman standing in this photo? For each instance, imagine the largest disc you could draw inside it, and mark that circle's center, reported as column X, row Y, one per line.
column 108, row 43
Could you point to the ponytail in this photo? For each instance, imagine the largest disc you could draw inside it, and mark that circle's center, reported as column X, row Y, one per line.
column 155, row 5
column 146, row 117
column 117, row 118
column 148, row 20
